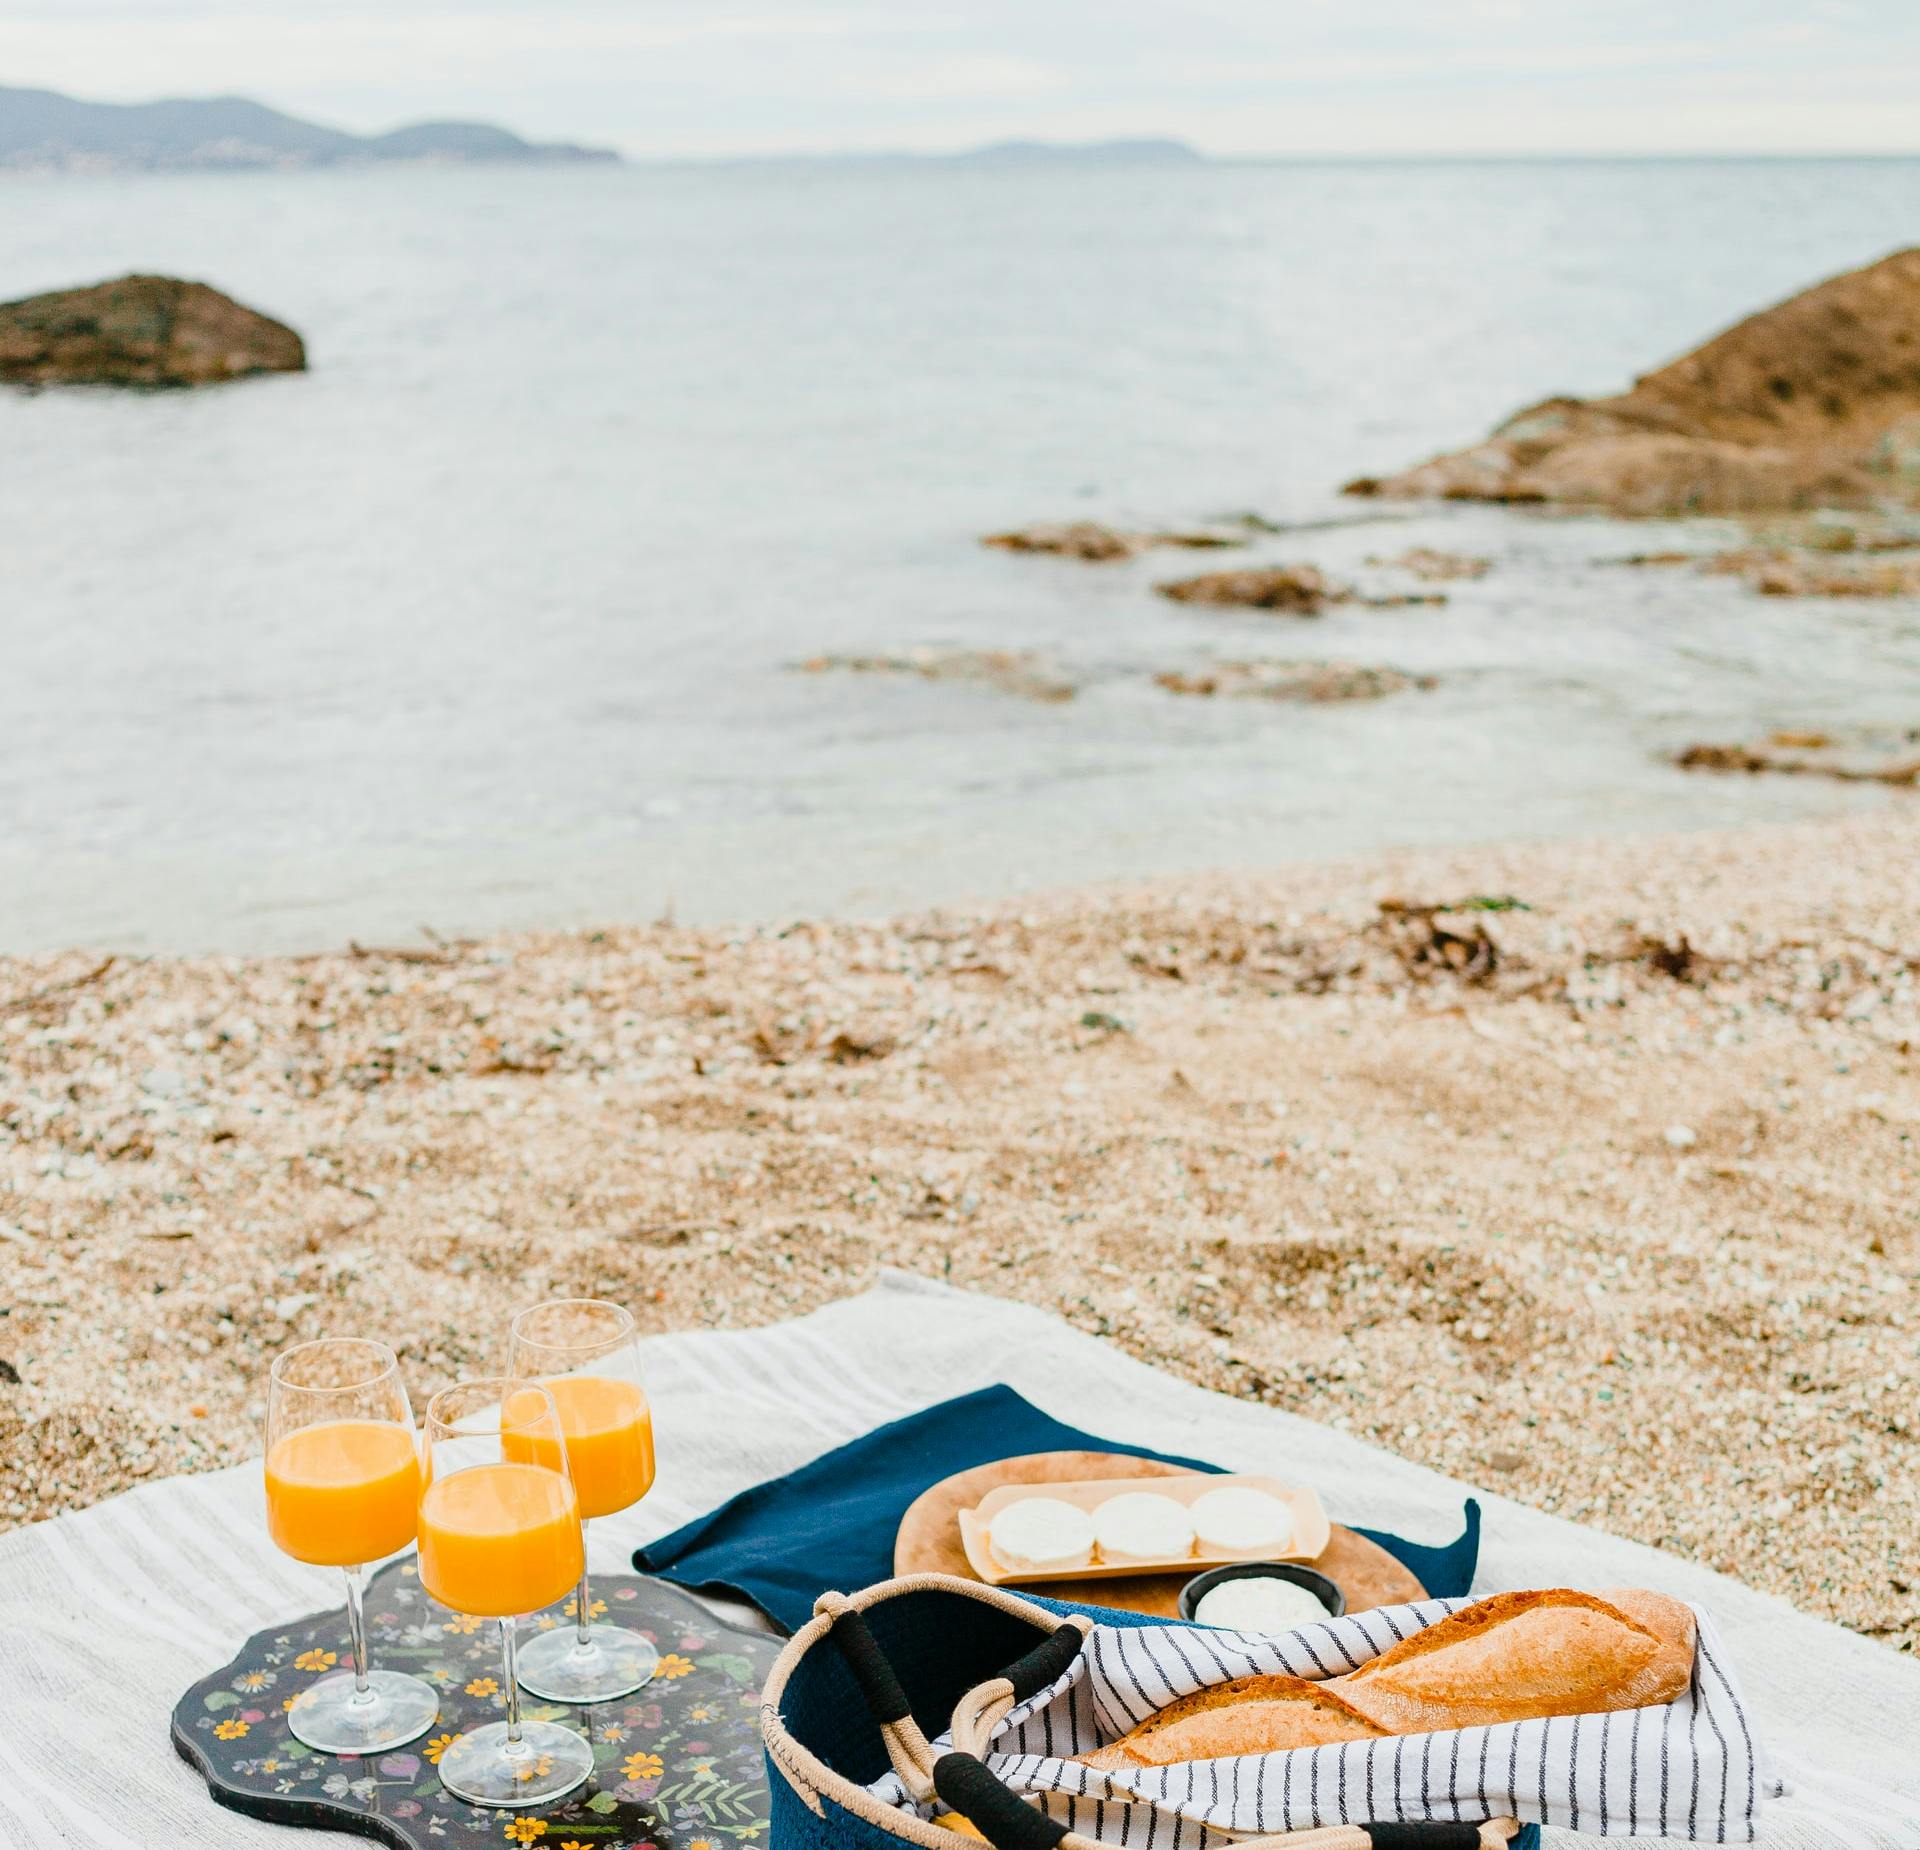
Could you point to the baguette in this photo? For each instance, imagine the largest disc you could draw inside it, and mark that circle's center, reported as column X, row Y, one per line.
column 1522, row 1656
column 1250, row 1715
column 1514, row 1657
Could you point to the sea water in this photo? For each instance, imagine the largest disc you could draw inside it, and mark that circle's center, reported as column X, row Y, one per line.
column 490, row 619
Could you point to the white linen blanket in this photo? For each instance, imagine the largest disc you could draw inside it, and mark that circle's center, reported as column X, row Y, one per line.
column 108, row 1614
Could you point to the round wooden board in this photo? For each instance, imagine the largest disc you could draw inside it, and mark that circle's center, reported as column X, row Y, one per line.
column 929, row 1539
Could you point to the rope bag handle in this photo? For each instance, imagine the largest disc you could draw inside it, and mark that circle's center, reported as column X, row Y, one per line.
column 961, row 1780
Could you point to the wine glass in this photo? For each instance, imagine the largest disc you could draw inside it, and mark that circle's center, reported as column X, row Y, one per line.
column 500, row 1536
column 586, row 1353
column 342, row 1482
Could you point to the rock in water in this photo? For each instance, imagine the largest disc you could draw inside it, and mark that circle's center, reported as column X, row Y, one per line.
column 1088, row 539
column 1077, row 539
column 1296, row 590
column 141, row 331
column 1318, row 683
column 1869, row 755
column 1812, row 403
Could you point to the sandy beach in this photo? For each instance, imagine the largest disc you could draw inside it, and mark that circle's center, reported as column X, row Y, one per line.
column 1585, row 1171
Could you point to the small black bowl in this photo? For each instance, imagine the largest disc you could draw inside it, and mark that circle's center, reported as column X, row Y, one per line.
column 1317, row 1584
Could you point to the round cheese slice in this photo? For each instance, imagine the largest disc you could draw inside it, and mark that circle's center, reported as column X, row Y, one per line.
column 1241, row 1522
column 1041, row 1535
column 1141, row 1525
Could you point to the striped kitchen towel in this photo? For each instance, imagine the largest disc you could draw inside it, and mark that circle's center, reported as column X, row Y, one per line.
column 1691, row 1769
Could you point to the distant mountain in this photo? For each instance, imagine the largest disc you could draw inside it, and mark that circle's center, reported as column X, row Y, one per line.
column 40, row 130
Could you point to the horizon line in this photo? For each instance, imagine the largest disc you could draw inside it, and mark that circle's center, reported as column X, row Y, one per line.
column 1119, row 143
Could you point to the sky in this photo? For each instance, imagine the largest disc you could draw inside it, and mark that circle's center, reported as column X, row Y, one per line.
column 1234, row 77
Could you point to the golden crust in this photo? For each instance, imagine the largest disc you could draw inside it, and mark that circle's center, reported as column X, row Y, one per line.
column 1515, row 1657
column 1669, row 1620
column 1250, row 1715
column 1512, row 1657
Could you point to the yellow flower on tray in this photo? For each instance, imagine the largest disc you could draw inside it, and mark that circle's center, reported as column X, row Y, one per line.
column 463, row 1623
column 229, row 1731
column 700, row 1712
column 316, row 1660
column 438, row 1746
column 643, row 1766
column 595, row 1609
column 483, row 1686
column 525, row 1830
column 674, row 1665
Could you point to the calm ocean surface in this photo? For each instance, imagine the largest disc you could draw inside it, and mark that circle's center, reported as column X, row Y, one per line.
column 487, row 621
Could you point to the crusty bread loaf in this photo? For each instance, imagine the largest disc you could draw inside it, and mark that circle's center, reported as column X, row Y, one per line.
column 1670, row 1670
column 1514, row 1657
column 1519, row 1656
column 1250, row 1715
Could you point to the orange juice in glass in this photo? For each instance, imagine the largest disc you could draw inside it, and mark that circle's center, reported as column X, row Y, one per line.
column 342, row 1479
column 500, row 1536
column 586, row 1353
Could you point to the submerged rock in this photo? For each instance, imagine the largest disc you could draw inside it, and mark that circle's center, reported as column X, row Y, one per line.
column 1088, row 539
column 1872, row 556
column 1888, row 755
column 1316, row 682
column 1782, row 572
column 1814, row 402
column 141, row 331
column 1288, row 590
column 1434, row 567
column 1009, row 671
column 1079, row 539
column 1298, row 590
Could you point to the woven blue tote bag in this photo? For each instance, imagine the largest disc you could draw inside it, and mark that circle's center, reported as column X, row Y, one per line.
column 862, row 1692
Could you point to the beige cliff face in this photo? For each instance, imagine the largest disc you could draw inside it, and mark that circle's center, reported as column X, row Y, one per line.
column 141, row 331
column 1813, row 403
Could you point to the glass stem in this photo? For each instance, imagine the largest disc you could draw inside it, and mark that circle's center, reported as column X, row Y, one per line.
column 583, row 1598
column 512, row 1686
column 357, row 1633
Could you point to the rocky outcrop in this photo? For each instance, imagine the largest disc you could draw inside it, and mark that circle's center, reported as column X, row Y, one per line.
column 1813, row 403
column 1088, row 539
column 1314, row 682
column 141, row 331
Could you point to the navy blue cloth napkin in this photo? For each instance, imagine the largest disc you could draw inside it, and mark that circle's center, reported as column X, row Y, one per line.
column 832, row 1523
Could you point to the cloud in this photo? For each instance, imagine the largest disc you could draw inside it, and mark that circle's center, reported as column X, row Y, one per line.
column 1237, row 76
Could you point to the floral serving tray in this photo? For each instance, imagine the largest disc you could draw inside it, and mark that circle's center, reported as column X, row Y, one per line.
column 677, row 1765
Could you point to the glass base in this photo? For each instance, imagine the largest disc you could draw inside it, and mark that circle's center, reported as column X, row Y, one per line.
column 546, row 1761
column 330, row 1719
column 615, row 1662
